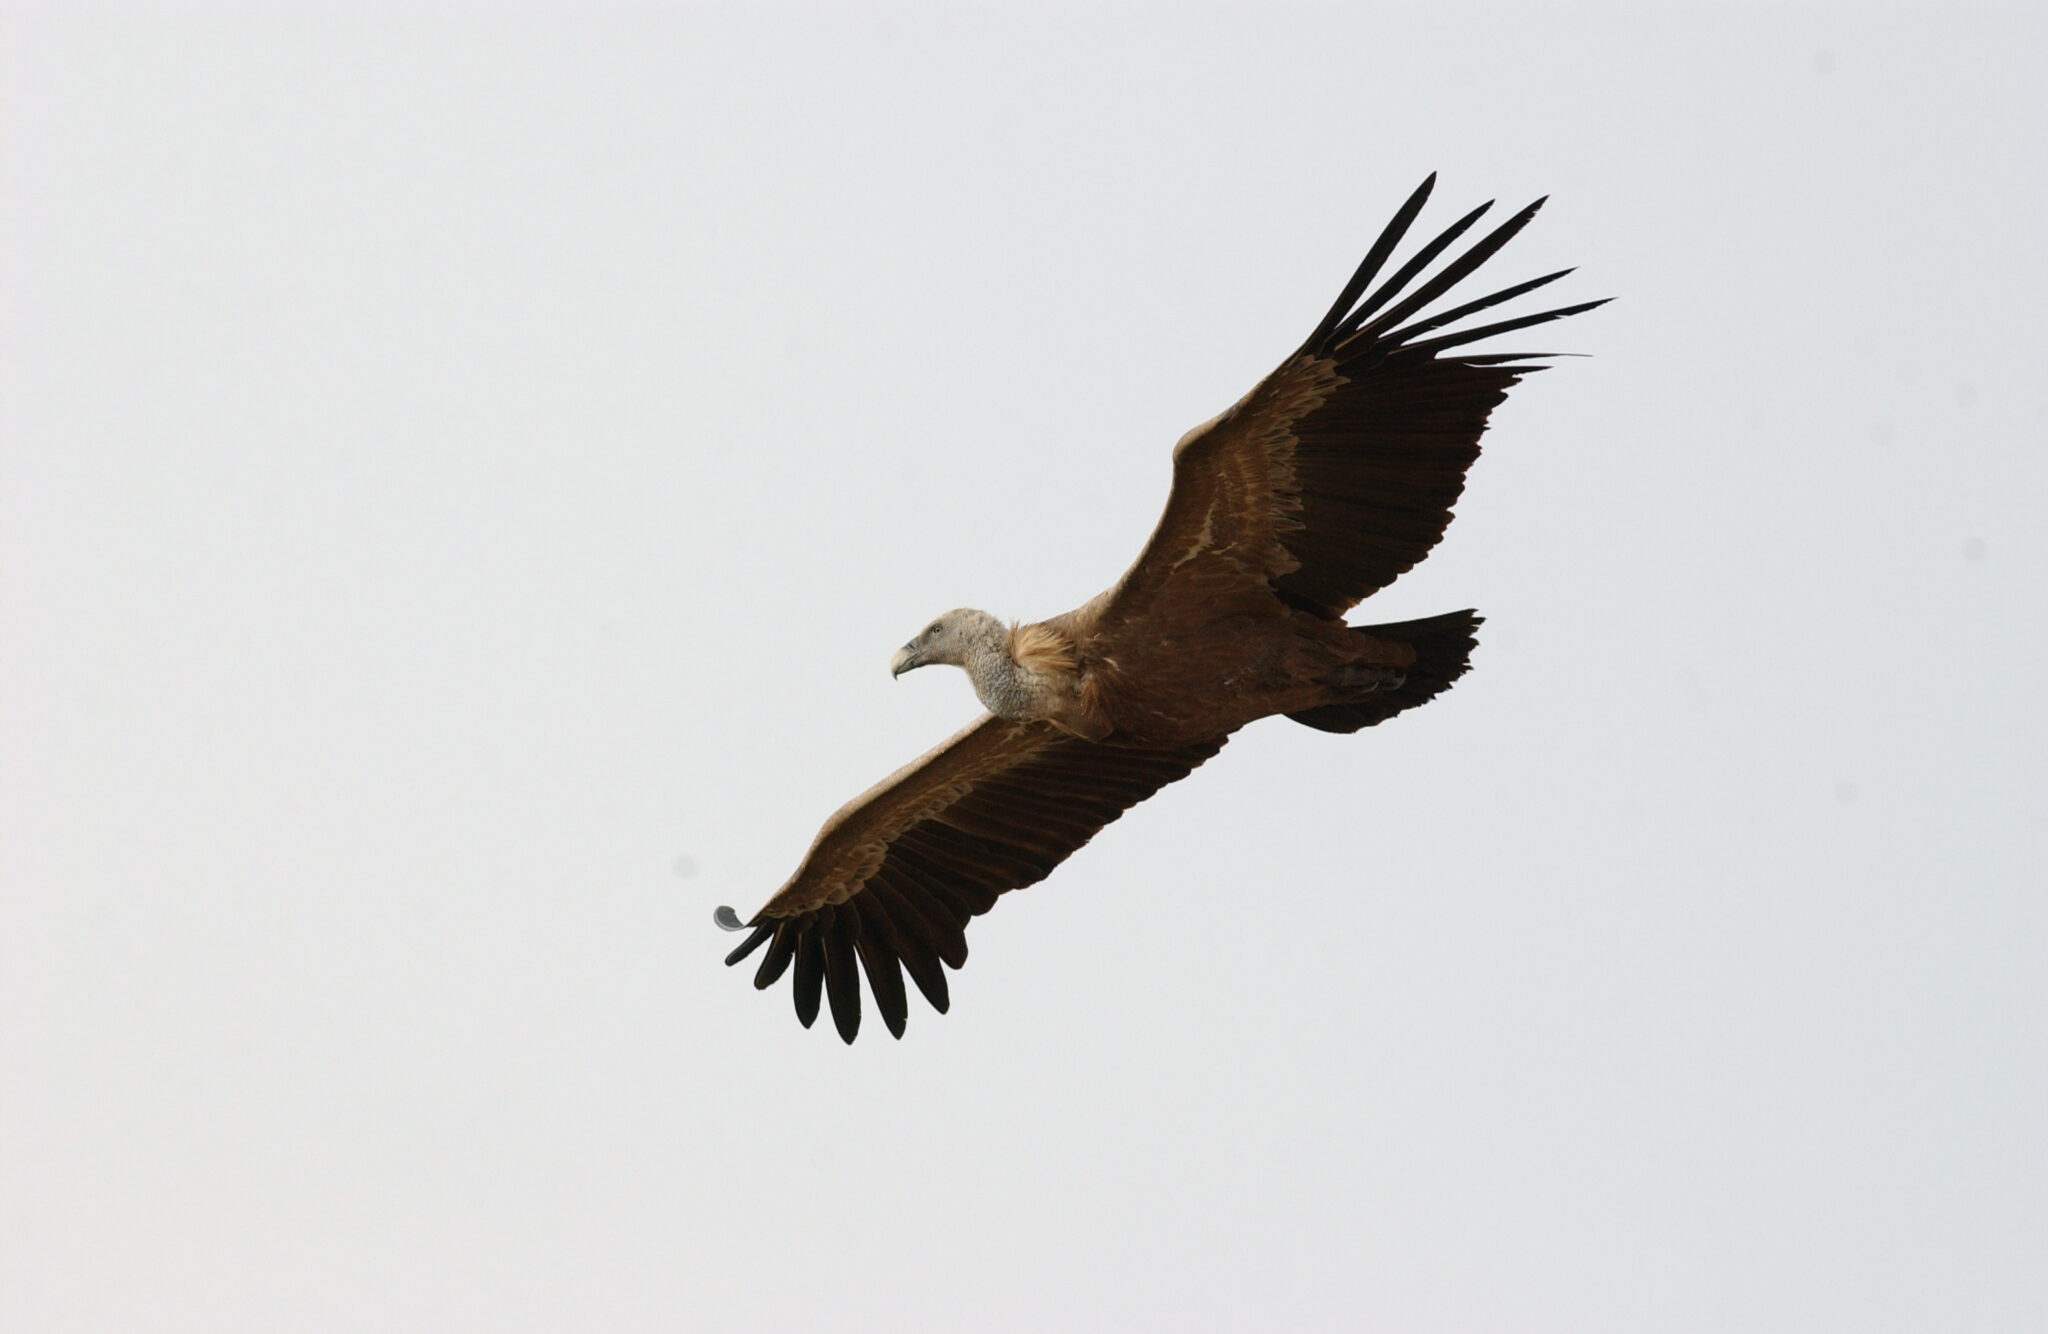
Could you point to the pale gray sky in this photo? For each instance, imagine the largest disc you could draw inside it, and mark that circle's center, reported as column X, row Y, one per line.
column 463, row 477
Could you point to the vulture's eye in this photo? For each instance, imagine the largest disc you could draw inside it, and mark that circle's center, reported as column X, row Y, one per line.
column 934, row 628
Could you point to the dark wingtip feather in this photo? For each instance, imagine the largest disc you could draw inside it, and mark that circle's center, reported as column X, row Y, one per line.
column 885, row 981
column 923, row 967
column 1375, row 259
column 934, row 988
column 809, row 983
column 1456, row 313
column 1463, row 336
column 1347, row 328
column 780, row 951
column 1448, row 277
column 842, row 983
column 751, row 943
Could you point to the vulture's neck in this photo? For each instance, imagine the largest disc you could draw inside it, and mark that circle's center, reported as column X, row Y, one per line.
column 1009, row 689
column 997, row 681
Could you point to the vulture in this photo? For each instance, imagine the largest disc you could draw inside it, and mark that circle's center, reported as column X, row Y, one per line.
column 1332, row 477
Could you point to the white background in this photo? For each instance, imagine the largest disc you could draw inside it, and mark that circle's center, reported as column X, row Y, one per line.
column 464, row 476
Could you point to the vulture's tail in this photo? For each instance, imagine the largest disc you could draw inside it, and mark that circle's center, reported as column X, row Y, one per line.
column 1443, row 650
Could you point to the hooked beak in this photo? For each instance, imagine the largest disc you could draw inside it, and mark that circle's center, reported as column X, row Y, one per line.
column 903, row 659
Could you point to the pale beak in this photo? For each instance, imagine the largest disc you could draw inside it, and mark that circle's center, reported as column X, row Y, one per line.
column 903, row 659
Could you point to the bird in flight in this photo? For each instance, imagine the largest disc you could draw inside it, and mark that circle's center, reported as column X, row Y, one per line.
column 1320, row 487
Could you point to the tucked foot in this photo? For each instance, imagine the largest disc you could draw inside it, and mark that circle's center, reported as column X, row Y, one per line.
column 1365, row 677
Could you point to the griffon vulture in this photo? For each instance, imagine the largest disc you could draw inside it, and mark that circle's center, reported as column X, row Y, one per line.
column 1334, row 475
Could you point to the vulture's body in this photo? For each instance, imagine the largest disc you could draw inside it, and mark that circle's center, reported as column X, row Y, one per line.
column 1334, row 475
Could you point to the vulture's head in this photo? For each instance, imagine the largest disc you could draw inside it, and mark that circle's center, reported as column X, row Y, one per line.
column 951, row 638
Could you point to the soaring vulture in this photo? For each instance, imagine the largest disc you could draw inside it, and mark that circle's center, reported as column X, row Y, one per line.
column 1318, row 488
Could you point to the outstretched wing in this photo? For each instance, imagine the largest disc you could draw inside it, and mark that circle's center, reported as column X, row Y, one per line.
column 894, row 875
column 1338, row 471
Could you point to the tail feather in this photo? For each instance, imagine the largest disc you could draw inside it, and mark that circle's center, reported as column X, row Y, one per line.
column 1443, row 650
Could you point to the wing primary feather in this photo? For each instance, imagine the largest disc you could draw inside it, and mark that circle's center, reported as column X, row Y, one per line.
column 842, row 983
column 751, row 943
column 780, row 951
column 930, row 978
column 1457, row 313
column 902, row 930
column 948, row 940
column 1505, row 326
column 885, row 978
column 1421, row 260
column 913, row 946
column 1389, row 237
column 922, row 963
column 1506, row 360
column 1451, row 274
column 941, row 899
column 941, row 927
column 808, row 985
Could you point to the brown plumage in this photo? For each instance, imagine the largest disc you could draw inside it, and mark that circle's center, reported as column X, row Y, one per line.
column 1326, row 482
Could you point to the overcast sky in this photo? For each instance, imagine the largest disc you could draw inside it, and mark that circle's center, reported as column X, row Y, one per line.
column 462, row 480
